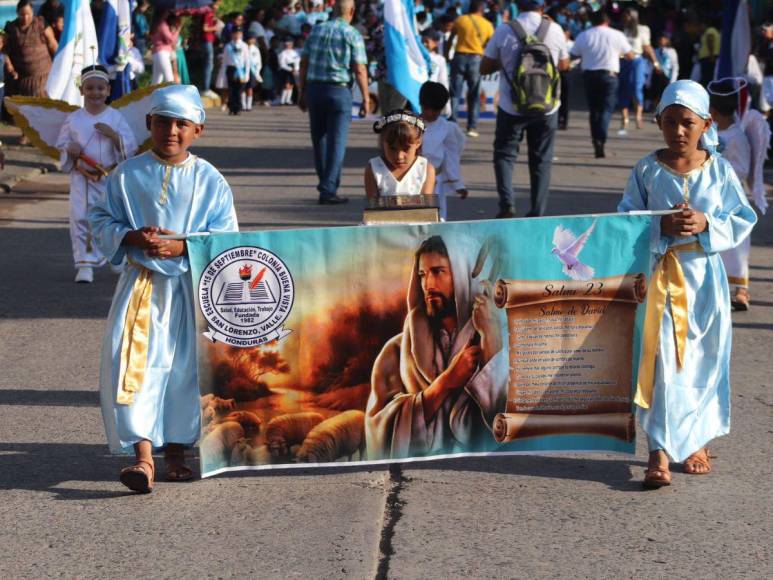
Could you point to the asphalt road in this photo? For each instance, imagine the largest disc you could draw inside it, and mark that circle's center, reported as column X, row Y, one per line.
column 564, row 516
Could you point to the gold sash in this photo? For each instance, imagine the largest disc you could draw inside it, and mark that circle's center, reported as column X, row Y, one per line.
column 136, row 338
column 667, row 280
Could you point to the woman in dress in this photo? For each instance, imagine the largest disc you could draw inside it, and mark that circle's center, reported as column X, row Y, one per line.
column 29, row 46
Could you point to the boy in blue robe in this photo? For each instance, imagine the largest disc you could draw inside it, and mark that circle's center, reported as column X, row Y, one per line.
column 683, row 390
column 148, row 377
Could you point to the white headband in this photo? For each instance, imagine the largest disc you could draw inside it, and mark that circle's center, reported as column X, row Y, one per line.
column 94, row 73
column 409, row 118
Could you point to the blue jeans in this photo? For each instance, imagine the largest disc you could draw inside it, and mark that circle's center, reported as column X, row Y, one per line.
column 330, row 112
column 601, row 90
column 540, row 136
column 209, row 64
column 466, row 67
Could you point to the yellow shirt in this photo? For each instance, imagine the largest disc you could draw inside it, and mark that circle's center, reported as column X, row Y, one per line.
column 472, row 33
column 703, row 52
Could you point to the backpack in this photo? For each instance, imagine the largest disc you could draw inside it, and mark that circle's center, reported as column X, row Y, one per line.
column 535, row 85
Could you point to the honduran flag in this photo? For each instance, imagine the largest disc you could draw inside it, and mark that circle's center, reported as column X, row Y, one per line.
column 406, row 57
column 114, row 36
column 78, row 48
column 736, row 39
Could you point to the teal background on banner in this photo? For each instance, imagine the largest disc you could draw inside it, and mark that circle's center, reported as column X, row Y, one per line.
column 354, row 259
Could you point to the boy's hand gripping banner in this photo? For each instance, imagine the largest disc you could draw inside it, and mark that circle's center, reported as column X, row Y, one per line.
column 394, row 343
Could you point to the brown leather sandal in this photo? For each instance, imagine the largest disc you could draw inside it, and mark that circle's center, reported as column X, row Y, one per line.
column 136, row 476
column 698, row 463
column 176, row 470
column 656, row 477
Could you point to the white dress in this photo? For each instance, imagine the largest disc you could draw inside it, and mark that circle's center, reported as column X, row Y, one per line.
column 410, row 184
column 443, row 144
column 744, row 145
column 79, row 128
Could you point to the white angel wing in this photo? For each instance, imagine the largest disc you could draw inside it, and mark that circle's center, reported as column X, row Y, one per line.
column 40, row 120
column 134, row 107
column 575, row 248
column 563, row 238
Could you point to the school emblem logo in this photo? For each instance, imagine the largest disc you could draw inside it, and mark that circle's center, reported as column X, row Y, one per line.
column 246, row 294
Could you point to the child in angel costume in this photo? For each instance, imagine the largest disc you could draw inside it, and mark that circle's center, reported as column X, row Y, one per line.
column 86, row 142
column 91, row 141
column 148, row 376
column 683, row 387
column 743, row 137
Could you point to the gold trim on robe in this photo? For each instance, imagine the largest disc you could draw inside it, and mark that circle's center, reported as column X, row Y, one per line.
column 667, row 281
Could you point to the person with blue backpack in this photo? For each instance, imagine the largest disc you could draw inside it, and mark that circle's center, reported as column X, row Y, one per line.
column 529, row 52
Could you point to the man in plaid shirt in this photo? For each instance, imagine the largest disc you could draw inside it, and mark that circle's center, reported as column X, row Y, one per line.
column 332, row 55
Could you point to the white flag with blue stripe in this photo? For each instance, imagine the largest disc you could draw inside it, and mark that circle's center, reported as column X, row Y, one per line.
column 78, row 48
column 406, row 58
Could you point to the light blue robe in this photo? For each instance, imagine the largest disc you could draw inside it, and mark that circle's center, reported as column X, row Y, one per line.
column 197, row 199
column 691, row 407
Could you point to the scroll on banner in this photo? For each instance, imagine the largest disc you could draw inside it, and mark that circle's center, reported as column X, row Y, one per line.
column 571, row 348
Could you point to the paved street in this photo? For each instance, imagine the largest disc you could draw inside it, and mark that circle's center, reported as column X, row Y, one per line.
column 561, row 516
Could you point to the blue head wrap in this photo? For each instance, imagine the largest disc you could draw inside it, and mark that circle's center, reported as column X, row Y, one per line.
column 179, row 102
column 693, row 96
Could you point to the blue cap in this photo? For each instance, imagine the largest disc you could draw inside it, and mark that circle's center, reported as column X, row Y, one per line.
column 179, row 102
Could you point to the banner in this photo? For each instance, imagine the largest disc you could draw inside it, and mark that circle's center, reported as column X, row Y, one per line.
column 396, row 343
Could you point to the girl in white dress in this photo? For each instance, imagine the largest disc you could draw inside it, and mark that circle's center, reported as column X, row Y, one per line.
column 399, row 170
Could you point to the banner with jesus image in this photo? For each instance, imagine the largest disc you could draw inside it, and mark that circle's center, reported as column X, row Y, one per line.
column 397, row 343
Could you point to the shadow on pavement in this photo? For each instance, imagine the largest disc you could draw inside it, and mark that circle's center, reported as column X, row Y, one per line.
column 37, row 278
column 37, row 398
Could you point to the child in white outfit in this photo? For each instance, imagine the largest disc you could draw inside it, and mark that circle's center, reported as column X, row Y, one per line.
column 443, row 142
column 91, row 142
column 399, row 170
column 743, row 141
column 289, row 64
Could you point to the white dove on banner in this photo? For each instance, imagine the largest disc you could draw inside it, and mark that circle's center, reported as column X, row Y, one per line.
column 567, row 247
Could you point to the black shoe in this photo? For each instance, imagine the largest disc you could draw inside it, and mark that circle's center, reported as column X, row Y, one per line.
column 533, row 213
column 599, row 150
column 333, row 200
column 505, row 214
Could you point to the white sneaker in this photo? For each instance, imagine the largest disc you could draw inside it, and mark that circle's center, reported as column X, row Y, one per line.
column 84, row 276
column 472, row 133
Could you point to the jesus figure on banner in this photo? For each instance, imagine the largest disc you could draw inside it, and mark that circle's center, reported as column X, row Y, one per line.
column 437, row 386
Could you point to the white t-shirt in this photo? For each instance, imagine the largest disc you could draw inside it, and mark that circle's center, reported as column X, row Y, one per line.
column 639, row 41
column 600, row 48
column 504, row 48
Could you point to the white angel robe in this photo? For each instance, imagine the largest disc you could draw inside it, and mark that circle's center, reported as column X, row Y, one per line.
column 442, row 145
column 395, row 424
column 79, row 128
column 745, row 146
column 691, row 406
column 189, row 197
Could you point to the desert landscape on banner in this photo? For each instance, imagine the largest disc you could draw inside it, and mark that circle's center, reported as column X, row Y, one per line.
column 407, row 342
